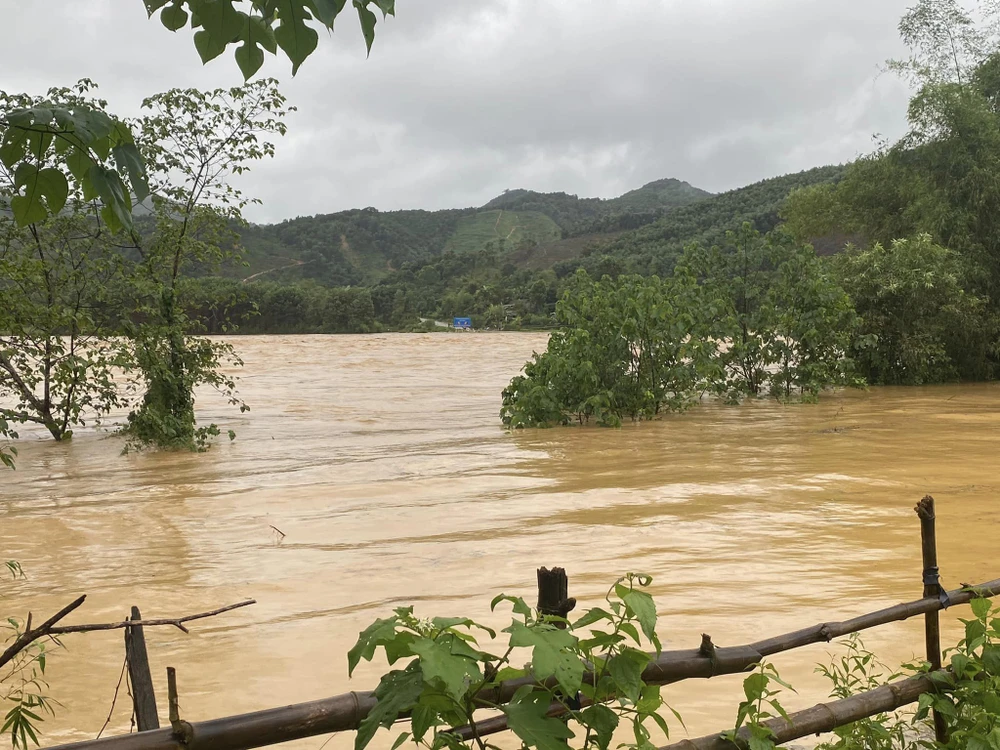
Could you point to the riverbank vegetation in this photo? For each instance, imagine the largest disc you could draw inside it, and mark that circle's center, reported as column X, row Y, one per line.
column 913, row 298
column 89, row 313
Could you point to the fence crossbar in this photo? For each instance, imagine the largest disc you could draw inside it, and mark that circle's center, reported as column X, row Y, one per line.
column 345, row 712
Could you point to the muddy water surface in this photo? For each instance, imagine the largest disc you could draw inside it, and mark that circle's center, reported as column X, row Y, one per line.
column 382, row 461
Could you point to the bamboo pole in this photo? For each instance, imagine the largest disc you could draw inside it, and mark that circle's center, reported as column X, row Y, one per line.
column 345, row 712
column 932, row 587
column 825, row 717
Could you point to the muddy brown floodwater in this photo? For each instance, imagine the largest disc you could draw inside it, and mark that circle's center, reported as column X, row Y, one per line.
column 382, row 460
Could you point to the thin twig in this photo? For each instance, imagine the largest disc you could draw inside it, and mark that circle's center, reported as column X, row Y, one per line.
column 114, row 700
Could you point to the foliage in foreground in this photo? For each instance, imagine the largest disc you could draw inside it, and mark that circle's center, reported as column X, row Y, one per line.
column 24, row 703
column 447, row 676
column 759, row 316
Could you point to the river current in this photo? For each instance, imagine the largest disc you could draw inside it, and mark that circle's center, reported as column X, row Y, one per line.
column 372, row 472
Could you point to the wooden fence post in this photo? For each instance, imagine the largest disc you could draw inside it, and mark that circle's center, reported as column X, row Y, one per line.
column 932, row 587
column 143, row 697
column 553, row 593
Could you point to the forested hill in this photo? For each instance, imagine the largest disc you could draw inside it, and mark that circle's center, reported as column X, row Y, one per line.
column 654, row 247
column 505, row 264
column 362, row 246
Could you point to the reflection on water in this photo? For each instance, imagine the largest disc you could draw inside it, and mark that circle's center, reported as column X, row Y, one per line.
column 382, row 460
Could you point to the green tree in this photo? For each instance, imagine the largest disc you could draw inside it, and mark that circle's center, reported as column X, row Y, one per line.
column 918, row 322
column 256, row 26
column 60, row 276
column 193, row 142
column 625, row 349
column 780, row 324
column 58, row 310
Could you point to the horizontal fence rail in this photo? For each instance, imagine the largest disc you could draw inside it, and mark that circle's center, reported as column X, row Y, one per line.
column 345, row 712
column 825, row 717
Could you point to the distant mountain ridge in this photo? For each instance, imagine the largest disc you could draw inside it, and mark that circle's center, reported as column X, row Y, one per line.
column 361, row 246
column 644, row 231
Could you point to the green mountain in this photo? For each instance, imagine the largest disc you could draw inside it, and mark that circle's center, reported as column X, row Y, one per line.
column 506, row 263
column 363, row 246
column 655, row 246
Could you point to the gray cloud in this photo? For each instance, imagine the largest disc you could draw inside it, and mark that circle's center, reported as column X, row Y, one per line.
column 463, row 98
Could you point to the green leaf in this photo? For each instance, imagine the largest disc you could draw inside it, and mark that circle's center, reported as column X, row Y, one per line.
column 79, row 163
column 117, row 211
column 326, row 11
column 19, row 118
column 220, row 19
column 551, row 653
column 422, row 719
column 403, row 737
column 591, row 616
column 980, row 608
column 644, row 609
column 378, row 633
column 602, row 720
column 397, row 693
column 295, row 38
column 14, row 142
column 255, row 31
column 52, row 184
column 27, row 210
column 991, row 660
column 439, row 662
column 388, row 7
column 526, row 718
column 754, row 686
column 627, row 674
column 208, row 45
column 37, row 184
column 520, row 606
column 368, row 21
column 174, row 16
column 129, row 161
column 41, row 116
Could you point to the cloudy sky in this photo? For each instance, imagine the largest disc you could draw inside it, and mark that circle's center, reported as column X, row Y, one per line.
column 461, row 99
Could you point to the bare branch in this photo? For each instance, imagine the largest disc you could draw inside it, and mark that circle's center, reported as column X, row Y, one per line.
column 177, row 622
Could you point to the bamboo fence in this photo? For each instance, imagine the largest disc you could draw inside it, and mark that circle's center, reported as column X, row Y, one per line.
column 345, row 712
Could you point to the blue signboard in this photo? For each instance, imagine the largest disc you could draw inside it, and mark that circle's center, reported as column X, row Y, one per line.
column 463, row 323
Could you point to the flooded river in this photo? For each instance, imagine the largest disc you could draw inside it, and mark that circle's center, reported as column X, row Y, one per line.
column 382, row 460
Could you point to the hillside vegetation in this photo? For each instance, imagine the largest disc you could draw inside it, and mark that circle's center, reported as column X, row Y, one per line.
column 506, row 264
column 363, row 246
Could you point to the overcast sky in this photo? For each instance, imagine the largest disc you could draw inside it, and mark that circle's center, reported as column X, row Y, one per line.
column 461, row 99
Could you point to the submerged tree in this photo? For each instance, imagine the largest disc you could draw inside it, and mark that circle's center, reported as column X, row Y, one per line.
column 626, row 348
column 59, row 273
column 194, row 142
column 58, row 313
column 918, row 323
column 780, row 324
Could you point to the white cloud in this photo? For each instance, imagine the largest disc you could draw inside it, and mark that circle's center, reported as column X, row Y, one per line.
column 463, row 98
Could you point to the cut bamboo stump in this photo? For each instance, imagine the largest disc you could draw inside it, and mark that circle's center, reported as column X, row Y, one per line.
column 143, row 697
column 553, row 592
